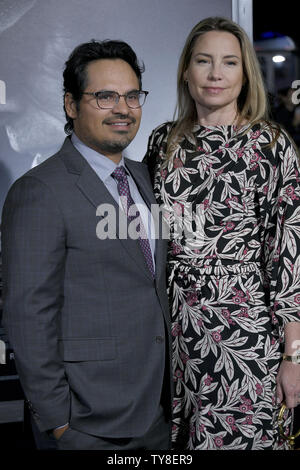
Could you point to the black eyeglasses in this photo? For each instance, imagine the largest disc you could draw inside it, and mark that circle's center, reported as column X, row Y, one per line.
column 108, row 99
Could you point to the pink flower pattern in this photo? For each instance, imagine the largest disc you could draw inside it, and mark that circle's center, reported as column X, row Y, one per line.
column 232, row 294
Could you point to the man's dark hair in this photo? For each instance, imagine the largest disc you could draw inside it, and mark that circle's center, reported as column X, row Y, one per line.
column 75, row 73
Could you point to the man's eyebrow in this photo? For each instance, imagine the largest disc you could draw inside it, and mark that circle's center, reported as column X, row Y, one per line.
column 104, row 90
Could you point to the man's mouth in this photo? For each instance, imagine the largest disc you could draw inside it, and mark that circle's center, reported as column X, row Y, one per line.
column 121, row 124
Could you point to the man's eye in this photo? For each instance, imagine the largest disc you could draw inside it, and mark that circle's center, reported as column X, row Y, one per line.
column 106, row 96
column 133, row 97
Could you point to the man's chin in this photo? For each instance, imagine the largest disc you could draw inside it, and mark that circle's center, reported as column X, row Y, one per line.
column 109, row 147
column 114, row 147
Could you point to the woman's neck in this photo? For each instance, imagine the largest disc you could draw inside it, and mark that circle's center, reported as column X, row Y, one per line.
column 218, row 117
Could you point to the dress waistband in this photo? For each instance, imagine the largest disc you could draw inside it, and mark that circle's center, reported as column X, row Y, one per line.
column 217, row 268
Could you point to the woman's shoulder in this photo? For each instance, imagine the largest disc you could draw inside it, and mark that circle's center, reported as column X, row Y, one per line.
column 162, row 131
column 268, row 136
column 275, row 144
column 271, row 132
column 157, row 143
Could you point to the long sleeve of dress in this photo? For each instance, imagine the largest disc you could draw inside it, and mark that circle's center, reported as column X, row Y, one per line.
column 281, row 196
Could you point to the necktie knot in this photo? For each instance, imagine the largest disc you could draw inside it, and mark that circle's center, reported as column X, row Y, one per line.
column 119, row 173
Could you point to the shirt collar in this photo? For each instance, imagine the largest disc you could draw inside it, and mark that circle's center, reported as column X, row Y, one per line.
column 100, row 163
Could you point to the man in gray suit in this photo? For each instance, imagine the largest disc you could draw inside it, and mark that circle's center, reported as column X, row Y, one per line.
column 87, row 315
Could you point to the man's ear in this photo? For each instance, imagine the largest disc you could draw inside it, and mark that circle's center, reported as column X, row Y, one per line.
column 70, row 105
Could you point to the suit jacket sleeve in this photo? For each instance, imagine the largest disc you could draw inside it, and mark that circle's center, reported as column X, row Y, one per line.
column 33, row 251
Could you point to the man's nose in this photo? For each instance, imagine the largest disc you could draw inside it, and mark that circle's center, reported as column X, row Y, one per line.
column 121, row 106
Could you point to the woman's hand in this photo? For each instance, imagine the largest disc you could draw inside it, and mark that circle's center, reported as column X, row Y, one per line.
column 288, row 384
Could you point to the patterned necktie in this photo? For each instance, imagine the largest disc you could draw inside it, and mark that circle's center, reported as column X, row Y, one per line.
column 123, row 188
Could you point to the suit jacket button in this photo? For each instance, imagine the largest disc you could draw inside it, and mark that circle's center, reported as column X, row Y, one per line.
column 159, row 339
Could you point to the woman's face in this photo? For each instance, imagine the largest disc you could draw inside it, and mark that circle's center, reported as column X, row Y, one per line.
column 215, row 72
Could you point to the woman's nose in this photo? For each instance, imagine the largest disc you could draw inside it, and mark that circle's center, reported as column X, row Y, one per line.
column 215, row 72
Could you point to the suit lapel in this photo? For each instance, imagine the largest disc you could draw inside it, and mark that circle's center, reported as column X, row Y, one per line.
column 140, row 174
column 96, row 192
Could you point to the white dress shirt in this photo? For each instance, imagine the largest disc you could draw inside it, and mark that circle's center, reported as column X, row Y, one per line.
column 103, row 167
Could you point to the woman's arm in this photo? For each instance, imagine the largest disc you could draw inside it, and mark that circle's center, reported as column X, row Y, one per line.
column 288, row 378
column 282, row 255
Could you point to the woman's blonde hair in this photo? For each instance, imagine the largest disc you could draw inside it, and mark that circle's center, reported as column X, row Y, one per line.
column 252, row 101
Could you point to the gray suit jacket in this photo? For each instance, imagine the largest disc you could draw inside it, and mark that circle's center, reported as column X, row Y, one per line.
column 88, row 325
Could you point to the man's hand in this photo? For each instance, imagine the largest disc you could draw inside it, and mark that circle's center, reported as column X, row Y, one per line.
column 57, row 433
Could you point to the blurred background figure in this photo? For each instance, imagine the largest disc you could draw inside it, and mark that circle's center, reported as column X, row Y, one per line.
column 277, row 44
column 287, row 113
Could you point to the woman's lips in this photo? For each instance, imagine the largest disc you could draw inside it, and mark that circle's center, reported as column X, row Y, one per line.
column 214, row 90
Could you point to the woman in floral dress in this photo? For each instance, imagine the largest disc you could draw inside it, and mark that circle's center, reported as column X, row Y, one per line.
column 228, row 183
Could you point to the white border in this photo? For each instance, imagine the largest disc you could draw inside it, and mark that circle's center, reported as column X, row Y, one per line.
column 242, row 13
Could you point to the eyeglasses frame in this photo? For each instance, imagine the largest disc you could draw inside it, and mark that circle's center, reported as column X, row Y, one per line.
column 118, row 96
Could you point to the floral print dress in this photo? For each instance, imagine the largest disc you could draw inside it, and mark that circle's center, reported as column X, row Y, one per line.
column 232, row 204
